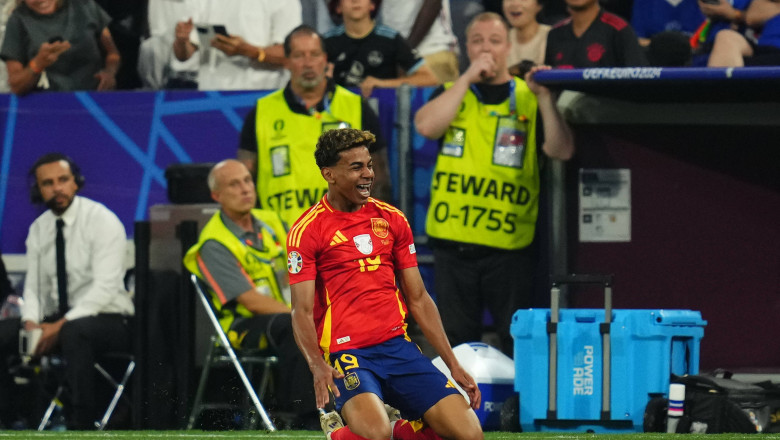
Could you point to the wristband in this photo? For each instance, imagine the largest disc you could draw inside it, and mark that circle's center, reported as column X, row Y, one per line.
column 260, row 54
column 35, row 68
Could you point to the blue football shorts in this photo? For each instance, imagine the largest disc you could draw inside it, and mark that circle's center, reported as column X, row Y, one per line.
column 394, row 370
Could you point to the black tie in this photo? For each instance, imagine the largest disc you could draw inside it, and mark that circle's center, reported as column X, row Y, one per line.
column 62, row 276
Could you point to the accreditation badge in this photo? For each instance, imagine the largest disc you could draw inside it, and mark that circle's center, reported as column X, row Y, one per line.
column 280, row 160
column 454, row 142
column 509, row 149
column 328, row 126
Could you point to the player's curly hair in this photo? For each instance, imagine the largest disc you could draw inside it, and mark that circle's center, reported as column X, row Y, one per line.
column 333, row 142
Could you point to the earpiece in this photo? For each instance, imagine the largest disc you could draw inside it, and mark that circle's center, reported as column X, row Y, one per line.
column 35, row 192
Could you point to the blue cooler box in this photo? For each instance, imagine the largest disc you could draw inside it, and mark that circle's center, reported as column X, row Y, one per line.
column 647, row 345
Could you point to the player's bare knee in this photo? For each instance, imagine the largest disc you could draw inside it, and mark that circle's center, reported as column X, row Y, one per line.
column 376, row 433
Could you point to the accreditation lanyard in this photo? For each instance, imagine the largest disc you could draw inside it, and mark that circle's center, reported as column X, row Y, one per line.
column 512, row 100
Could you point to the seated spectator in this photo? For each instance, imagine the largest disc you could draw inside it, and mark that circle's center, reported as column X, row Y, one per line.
column 427, row 27
column 720, row 15
column 592, row 37
column 732, row 49
column 156, row 51
column 527, row 37
column 651, row 17
column 6, row 7
column 250, row 55
column 59, row 45
column 368, row 55
column 669, row 49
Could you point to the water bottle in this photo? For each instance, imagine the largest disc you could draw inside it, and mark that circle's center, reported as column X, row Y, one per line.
column 676, row 406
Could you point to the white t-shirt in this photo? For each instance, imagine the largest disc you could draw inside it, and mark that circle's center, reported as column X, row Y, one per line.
column 400, row 15
column 260, row 23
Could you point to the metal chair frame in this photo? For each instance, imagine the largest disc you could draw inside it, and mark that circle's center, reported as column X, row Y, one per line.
column 119, row 389
column 219, row 341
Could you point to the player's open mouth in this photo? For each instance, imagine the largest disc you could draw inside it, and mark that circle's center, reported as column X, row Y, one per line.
column 365, row 189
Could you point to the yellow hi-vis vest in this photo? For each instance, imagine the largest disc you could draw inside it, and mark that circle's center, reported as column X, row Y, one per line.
column 263, row 267
column 288, row 179
column 485, row 186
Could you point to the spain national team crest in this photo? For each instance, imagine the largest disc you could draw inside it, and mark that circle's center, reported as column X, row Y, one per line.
column 294, row 262
column 380, row 227
column 351, row 381
column 364, row 244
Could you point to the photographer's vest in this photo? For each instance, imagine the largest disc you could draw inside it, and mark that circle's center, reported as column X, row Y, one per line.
column 288, row 179
column 267, row 267
column 485, row 185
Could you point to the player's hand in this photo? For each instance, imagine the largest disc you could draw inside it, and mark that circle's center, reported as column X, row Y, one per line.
column 231, row 45
column 464, row 379
column 324, row 381
column 368, row 84
column 536, row 88
column 183, row 30
column 481, row 69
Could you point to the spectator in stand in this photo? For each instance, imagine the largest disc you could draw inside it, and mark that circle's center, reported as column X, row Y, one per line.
column 59, row 45
column 368, row 55
column 250, row 55
column 527, row 37
column 651, row 17
column 592, row 37
column 156, row 51
column 427, row 27
column 732, row 49
column 721, row 14
column 316, row 15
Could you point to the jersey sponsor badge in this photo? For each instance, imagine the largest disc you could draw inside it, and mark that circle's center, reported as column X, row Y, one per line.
column 351, row 381
column 294, row 262
column 364, row 244
column 380, row 227
column 412, row 249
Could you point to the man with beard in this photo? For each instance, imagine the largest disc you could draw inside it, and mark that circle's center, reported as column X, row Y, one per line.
column 592, row 37
column 279, row 136
column 74, row 288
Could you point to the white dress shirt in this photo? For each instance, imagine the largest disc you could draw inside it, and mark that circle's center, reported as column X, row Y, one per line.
column 94, row 259
column 260, row 23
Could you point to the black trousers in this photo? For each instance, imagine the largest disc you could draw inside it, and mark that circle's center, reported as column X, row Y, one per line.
column 294, row 388
column 9, row 355
column 81, row 341
column 469, row 279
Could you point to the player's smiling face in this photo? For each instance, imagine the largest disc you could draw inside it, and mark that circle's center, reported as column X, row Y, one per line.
column 349, row 181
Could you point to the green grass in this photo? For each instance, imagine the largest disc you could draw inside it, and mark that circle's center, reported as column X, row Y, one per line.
column 316, row 435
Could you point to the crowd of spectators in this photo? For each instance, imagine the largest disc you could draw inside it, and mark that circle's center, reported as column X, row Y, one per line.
column 201, row 44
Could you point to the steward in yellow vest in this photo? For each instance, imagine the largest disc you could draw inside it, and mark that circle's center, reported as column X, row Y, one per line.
column 279, row 136
column 266, row 266
column 241, row 257
column 485, row 187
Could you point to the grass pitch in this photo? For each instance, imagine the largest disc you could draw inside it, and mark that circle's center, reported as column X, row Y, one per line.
column 316, row 435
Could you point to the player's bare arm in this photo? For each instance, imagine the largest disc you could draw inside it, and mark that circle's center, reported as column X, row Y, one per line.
column 306, row 338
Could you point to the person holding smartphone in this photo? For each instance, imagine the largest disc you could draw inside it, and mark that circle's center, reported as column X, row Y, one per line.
column 59, row 45
column 245, row 52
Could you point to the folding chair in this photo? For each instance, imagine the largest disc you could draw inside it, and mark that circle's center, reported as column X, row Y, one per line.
column 221, row 352
column 118, row 384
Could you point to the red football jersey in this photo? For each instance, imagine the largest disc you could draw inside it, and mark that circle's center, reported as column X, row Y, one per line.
column 353, row 258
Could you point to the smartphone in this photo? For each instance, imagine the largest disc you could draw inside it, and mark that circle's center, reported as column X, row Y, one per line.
column 55, row 39
column 221, row 30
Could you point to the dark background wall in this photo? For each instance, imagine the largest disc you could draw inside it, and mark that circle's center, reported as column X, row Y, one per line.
column 705, row 231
